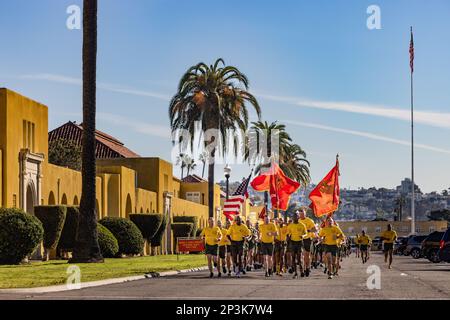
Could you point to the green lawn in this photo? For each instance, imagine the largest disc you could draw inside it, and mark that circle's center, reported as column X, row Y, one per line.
column 54, row 272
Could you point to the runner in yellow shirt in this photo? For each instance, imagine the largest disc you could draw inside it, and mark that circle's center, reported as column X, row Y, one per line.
column 389, row 236
column 280, row 247
column 237, row 234
column 267, row 233
column 364, row 242
column 225, row 248
column 307, row 241
column 330, row 235
column 296, row 231
column 212, row 235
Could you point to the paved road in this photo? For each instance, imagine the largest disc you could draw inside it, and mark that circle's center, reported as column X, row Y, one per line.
column 409, row 279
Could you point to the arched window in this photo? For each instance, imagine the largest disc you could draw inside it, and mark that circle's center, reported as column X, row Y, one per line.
column 51, row 199
column 64, row 199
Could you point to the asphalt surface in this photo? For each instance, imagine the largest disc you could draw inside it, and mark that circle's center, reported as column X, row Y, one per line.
column 408, row 279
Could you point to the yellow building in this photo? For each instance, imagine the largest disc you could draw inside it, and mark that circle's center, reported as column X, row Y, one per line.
column 124, row 185
column 403, row 228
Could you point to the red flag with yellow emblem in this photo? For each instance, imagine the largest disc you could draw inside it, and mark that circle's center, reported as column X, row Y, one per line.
column 278, row 184
column 325, row 196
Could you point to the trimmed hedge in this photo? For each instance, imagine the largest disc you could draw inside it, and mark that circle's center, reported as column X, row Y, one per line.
column 182, row 229
column 109, row 246
column 20, row 234
column 127, row 234
column 52, row 219
column 148, row 224
column 69, row 231
column 190, row 219
column 157, row 238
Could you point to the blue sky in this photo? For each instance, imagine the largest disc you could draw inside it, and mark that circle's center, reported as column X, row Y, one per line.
column 314, row 65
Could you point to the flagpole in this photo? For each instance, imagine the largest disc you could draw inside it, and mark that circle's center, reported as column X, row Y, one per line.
column 413, row 213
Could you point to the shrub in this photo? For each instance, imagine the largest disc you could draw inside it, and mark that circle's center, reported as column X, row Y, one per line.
column 190, row 219
column 182, row 229
column 148, row 224
column 69, row 231
column 127, row 234
column 109, row 246
column 20, row 234
column 52, row 219
column 157, row 238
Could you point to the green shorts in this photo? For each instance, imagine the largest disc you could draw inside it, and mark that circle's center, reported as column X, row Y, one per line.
column 295, row 247
column 280, row 247
column 388, row 246
column 267, row 249
column 333, row 249
column 212, row 250
column 307, row 244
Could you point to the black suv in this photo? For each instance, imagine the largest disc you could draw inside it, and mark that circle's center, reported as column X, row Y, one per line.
column 430, row 246
column 444, row 247
column 413, row 246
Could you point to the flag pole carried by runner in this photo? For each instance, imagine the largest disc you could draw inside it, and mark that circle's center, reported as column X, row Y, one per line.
column 325, row 196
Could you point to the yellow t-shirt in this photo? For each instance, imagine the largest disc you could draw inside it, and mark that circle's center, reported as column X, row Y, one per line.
column 390, row 236
column 282, row 233
column 224, row 241
column 309, row 223
column 296, row 231
column 331, row 235
column 364, row 240
column 264, row 229
column 238, row 233
column 211, row 235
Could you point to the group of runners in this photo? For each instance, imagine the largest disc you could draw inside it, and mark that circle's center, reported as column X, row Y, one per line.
column 363, row 243
column 295, row 246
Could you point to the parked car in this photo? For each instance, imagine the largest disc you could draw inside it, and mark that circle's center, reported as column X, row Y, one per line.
column 430, row 246
column 400, row 245
column 377, row 244
column 413, row 246
column 444, row 247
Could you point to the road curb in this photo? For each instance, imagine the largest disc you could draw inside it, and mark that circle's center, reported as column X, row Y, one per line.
column 90, row 284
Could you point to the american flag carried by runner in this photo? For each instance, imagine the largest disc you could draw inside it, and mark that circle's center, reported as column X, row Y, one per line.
column 233, row 205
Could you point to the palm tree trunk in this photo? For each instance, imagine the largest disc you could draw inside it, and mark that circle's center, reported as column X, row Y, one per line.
column 86, row 244
column 211, row 184
column 203, row 170
column 182, row 172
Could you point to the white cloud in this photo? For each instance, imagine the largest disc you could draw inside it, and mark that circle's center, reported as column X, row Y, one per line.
column 367, row 135
column 139, row 127
column 435, row 119
column 100, row 85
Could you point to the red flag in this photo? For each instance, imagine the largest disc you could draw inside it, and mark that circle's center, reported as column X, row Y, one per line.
column 279, row 186
column 262, row 214
column 411, row 52
column 325, row 196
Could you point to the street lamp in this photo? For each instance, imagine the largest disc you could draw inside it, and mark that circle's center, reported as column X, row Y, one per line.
column 227, row 173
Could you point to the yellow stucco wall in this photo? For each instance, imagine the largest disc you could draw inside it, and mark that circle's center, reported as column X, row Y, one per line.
column 14, row 110
column 403, row 228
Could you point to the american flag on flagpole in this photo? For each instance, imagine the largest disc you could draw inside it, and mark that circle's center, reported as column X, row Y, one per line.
column 233, row 205
column 411, row 52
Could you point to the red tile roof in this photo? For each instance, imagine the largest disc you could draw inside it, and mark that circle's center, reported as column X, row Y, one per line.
column 193, row 178
column 106, row 146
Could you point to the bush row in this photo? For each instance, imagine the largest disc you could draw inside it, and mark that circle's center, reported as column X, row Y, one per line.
column 56, row 227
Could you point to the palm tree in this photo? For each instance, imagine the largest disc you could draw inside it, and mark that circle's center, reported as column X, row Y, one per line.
column 190, row 165
column 86, row 245
column 212, row 99
column 294, row 164
column 181, row 160
column 203, row 158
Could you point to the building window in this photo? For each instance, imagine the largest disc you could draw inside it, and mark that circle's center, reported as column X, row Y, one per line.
column 28, row 135
column 14, row 201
